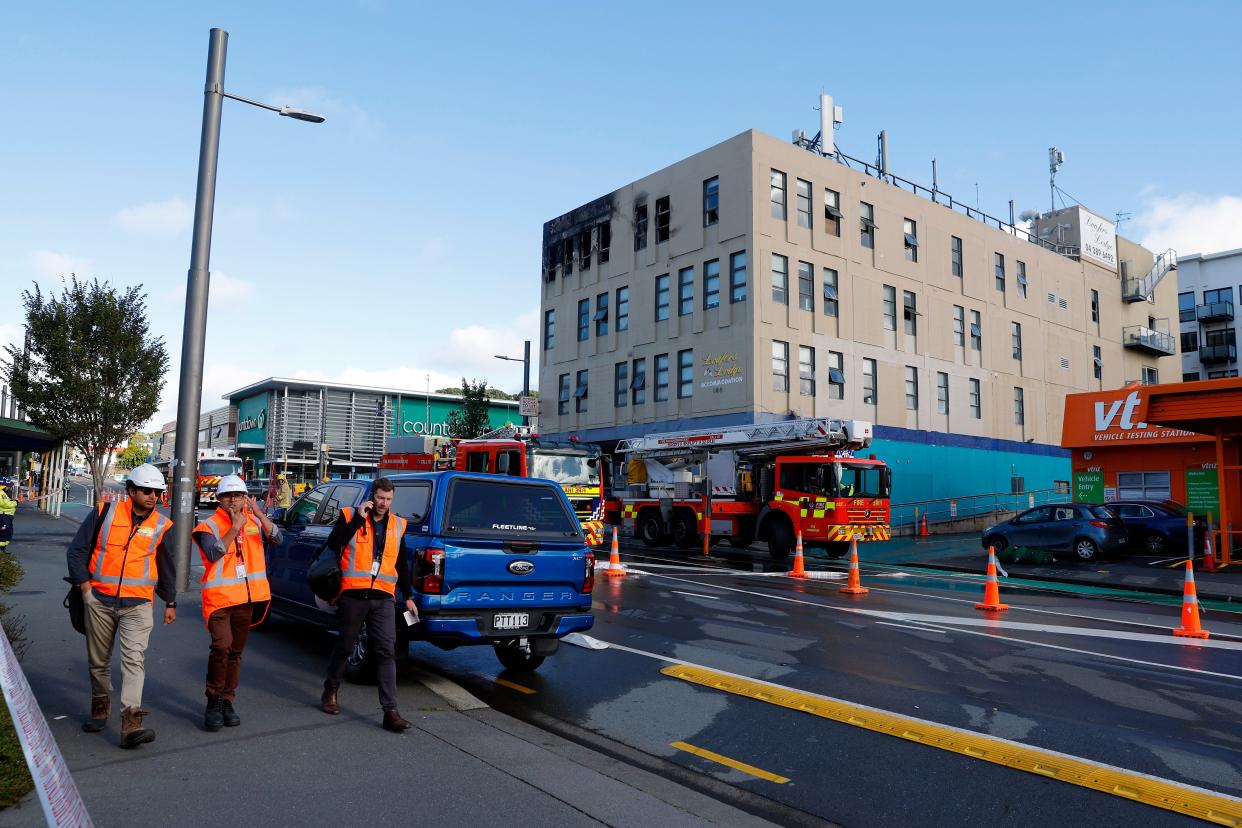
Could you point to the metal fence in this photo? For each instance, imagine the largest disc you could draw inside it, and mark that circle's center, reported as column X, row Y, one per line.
column 949, row 510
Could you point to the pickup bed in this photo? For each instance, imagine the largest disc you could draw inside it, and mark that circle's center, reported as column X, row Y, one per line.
column 496, row 560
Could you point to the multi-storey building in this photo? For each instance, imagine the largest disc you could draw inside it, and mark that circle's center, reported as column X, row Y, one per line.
column 1206, row 309
column 757, row 280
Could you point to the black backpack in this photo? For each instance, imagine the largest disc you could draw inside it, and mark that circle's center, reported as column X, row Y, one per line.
column 74, row 602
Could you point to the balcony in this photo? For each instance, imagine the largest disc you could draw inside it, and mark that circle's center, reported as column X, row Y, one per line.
column 1215, row 312
column 1142, row 338
column 1215, row 354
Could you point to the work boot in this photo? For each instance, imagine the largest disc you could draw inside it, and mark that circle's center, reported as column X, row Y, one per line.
column 133, row 733
column 394, row 722
column 213, row 717
column 327, row 702
column 231, row 719
column 101, row 707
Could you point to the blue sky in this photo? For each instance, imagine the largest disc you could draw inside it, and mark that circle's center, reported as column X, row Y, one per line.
column 402, row 236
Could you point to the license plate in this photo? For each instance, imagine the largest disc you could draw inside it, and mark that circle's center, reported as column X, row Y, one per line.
column 511, row 620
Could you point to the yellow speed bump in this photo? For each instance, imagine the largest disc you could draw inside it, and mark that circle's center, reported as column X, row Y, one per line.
column 1160, row 793
column 730, row 763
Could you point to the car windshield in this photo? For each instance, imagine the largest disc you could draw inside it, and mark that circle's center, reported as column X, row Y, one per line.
column 523, row 511
column 220, row 467
column 863, row 480
column 576, row 469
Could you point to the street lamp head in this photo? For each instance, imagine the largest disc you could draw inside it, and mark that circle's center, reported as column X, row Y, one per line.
column 301, row 115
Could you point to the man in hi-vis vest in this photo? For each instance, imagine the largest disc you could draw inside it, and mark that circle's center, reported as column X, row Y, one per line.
column 374, row 565
column 235, row 590
column 120, row 573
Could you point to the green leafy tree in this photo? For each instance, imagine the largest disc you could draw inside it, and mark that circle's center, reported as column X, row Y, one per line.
column 90, row 372
column 472, row 418
column 135, row 453
column 492, row 393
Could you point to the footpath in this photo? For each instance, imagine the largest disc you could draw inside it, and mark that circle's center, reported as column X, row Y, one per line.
column 463, row 763
column 1130, row 572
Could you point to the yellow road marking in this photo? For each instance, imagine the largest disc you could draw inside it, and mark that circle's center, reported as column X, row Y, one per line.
column 513, row 686
column 1159, row 793
column 731, row 763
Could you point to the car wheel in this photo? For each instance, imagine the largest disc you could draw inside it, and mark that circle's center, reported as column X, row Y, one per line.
column 1085, row 549
column 651, row 530
column 512, row 657
column 997, row 542
column 360, row 667
column 780, row 539
column 685, row 530
column 1156, row 543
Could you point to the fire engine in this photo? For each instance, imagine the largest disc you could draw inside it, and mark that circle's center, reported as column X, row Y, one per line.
column 213, row 464
column 516, row 451
column 765, row 482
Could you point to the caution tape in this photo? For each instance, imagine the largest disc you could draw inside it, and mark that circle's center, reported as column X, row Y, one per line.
column 58, row 794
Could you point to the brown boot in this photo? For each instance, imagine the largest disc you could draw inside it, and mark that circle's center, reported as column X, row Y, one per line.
column 394, row 722
column 133, row 733
column 327, row 702
column 101, row 708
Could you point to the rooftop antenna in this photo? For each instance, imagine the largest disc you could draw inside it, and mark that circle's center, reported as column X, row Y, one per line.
column 1121, row 216
column 830, row 117
column 1055, row 159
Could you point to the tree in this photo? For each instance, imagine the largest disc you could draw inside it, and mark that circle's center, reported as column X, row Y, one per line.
column 472, row 418
column 90, row 372
column 135, row 453
column 492, row 393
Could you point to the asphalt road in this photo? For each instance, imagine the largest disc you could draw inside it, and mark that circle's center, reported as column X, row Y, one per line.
column 1092, row 678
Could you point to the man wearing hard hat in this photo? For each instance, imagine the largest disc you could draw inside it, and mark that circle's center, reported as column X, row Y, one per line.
column 235, row 590
column 120, row 561
column 284, row 495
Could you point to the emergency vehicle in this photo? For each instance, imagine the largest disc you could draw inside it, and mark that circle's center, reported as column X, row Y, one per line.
column 764, row 482
column 213, row 464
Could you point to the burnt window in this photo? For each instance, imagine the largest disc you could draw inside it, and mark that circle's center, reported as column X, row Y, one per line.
column 584, row 249
column 711, row 201
column 605, row 241
column 567, row 256
column 664, row 218
column 640, row 226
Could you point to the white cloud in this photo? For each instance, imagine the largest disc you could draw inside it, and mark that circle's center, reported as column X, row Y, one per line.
column 227, row 289
column 49, row 263
column 402, row 377
column 218, row 379
column 1191, row 223
column 161, row 218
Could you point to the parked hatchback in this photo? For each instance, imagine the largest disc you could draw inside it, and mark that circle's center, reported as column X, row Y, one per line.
column 1083, row 529
column 1156, row 526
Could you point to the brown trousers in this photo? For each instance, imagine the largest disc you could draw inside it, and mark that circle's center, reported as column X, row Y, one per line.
column 229, row 628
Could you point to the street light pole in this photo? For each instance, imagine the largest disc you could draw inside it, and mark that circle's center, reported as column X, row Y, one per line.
column 194, row 334
column 184, row 471
column 525, row 360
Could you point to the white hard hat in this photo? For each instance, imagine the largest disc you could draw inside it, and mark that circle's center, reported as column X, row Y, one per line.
column 147, row 476
column 230, row 484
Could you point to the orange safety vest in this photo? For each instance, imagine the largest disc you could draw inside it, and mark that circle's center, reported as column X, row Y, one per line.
column 224, row 585
column 357, row 558
column 123, row 560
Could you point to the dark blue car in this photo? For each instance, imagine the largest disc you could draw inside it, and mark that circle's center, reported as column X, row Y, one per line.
column 1157, row 527
column 498, row 560
column 1083, row 529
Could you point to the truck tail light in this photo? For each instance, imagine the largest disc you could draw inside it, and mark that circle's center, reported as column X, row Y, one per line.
column 588, row 580
column 433, row 565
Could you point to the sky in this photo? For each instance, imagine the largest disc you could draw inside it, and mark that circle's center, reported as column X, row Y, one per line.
column 401, row 238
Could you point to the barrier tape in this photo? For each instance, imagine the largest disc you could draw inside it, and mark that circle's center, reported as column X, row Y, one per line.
column 62, row 804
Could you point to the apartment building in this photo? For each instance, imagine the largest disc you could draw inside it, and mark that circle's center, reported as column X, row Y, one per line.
column 757, row 280
column 1209, row 331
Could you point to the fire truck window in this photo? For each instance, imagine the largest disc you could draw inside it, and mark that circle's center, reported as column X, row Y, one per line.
column 508, row 462
column 303, row 512
column 795, row 477
column 863, row 481
column 476, row 461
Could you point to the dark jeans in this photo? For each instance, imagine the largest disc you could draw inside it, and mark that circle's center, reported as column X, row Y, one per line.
column 380, row 617
column 229, row 628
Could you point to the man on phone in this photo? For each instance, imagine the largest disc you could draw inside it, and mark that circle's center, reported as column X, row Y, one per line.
column 374, row 565
column 235, row 590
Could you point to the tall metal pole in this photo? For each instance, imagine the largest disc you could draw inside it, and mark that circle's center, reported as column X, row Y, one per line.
column 190, row 389
column 526, row 377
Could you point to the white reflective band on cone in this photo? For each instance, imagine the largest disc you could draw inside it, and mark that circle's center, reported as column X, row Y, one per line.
column 62, row 804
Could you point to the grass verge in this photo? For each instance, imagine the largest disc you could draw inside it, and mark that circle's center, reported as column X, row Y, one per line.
column 15, row 781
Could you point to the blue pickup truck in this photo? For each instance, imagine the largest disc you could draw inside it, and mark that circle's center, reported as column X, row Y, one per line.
column 496, row 560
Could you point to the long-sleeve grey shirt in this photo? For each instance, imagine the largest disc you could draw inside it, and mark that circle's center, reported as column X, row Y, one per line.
column 79, row 560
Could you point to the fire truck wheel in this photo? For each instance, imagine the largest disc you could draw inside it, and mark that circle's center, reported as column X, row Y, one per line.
column 780, row 539
column 651, row 529
column 685, row 529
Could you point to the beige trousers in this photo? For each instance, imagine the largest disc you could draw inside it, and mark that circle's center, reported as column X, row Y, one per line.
column 104, row 626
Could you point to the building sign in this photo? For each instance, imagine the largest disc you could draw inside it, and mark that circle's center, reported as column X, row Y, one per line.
column 1202, row 491
column 721, row 369
column 252, row 421
column 257, row 421
column 1108, row 418
column 1097, row 239
column 528, row 406
column 1089, row 487
column 417, row 416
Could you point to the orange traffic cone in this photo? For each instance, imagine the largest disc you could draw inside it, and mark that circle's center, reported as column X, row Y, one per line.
column 1190, row 607
column 923, row 527
column 1209, row 554
column 991, row 590
column 854, row 587
column 615, row 569
column 799, row 570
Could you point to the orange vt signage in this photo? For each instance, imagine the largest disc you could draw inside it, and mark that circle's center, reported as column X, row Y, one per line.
column 1108, row 418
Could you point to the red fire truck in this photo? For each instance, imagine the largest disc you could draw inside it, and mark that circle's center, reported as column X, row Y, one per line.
column 213, row 464
column 764, row 482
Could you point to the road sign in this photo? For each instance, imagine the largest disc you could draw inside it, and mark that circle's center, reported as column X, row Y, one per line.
column 1202, row 491
column 528, row 406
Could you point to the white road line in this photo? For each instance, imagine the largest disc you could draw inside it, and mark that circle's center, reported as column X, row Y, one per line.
column 912, row 627
column 696, row 595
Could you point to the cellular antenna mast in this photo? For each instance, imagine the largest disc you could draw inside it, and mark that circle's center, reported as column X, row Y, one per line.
column 1055, row 159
